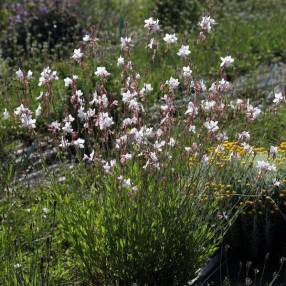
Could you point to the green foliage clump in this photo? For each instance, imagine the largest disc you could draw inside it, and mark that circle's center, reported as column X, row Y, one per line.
column 178, row 15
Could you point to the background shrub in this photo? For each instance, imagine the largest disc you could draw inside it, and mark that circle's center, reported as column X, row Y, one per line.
column 178, row 15
column 40, row 29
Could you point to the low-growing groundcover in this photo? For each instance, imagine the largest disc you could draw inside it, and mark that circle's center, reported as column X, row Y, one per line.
column 132, row 194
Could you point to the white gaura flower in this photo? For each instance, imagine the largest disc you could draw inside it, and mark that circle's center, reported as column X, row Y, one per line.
column 29, row 74
column 151, row 45
column 273, row 151
column 222, row 136
column 19, row 74
column 128, row 96
column 120, row 61
column 25, row 116
column 276, row 183
column 108, row 166
column 67, row 128
column 184, row 51
column 104, row 121
column 212, row 126
column 47, row 76
column 192, row 110
column 6, row 114
column 125, row 158
column 173, row 83
column 224, row 85
column 28, row 122
column 101, row 101
column 38, row 111
column 82, row 115
column 102, row 72
column 278, row 98
column 54, row 126
column 192, row 129
column 264, row 166
column 244, row 136
column 252, row 112
column 86, row 38
column 158, row 145
column 79, row 143
column 187, row 72
column 247, row 147
column 77, row 55
column 126, row 43
column 208, row 105
column 152, row 25
column 207, row 23
column 147, row 88
column 170, row 38
column 69, row 118
column 89, row 158
column 68, row 81
column 226, row 61
column 205, row 159
column 17, row 266
column 172, row 142
column 64, row 143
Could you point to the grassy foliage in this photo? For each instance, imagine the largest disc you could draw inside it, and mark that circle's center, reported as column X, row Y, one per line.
column 162, row 208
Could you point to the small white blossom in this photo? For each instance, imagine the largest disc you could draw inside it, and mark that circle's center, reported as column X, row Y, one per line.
column 247, row 147
column 172, row 142
column 69, row 118
column 64, row 143
column 6, row 114
column 211, row 125
column 77, row 55
column 252, row 112
column 68, row 81
column 170, row 38
column 278, row 98
column 29, row 74
column 192, row 129
column 206, row 23
column 245, row 135
column 19, row 74
column 86, row 38
column 187, row 72
column 152, row 25
column 264, row 166
column 104, row 121
column 108, row 166
column 173, row 83
column 54, row 126
column 38, row 111
column 184, row 51
column 102, row 72
column 126, row 43
column 79, row 143
column 17, row 266
column 147, row 88
column 47, row 76
column 120, row 61
column 67, row 128
column 151, row 45
column 89, row 158
column 273, row 151
column 226, row 61
column 192, row 109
